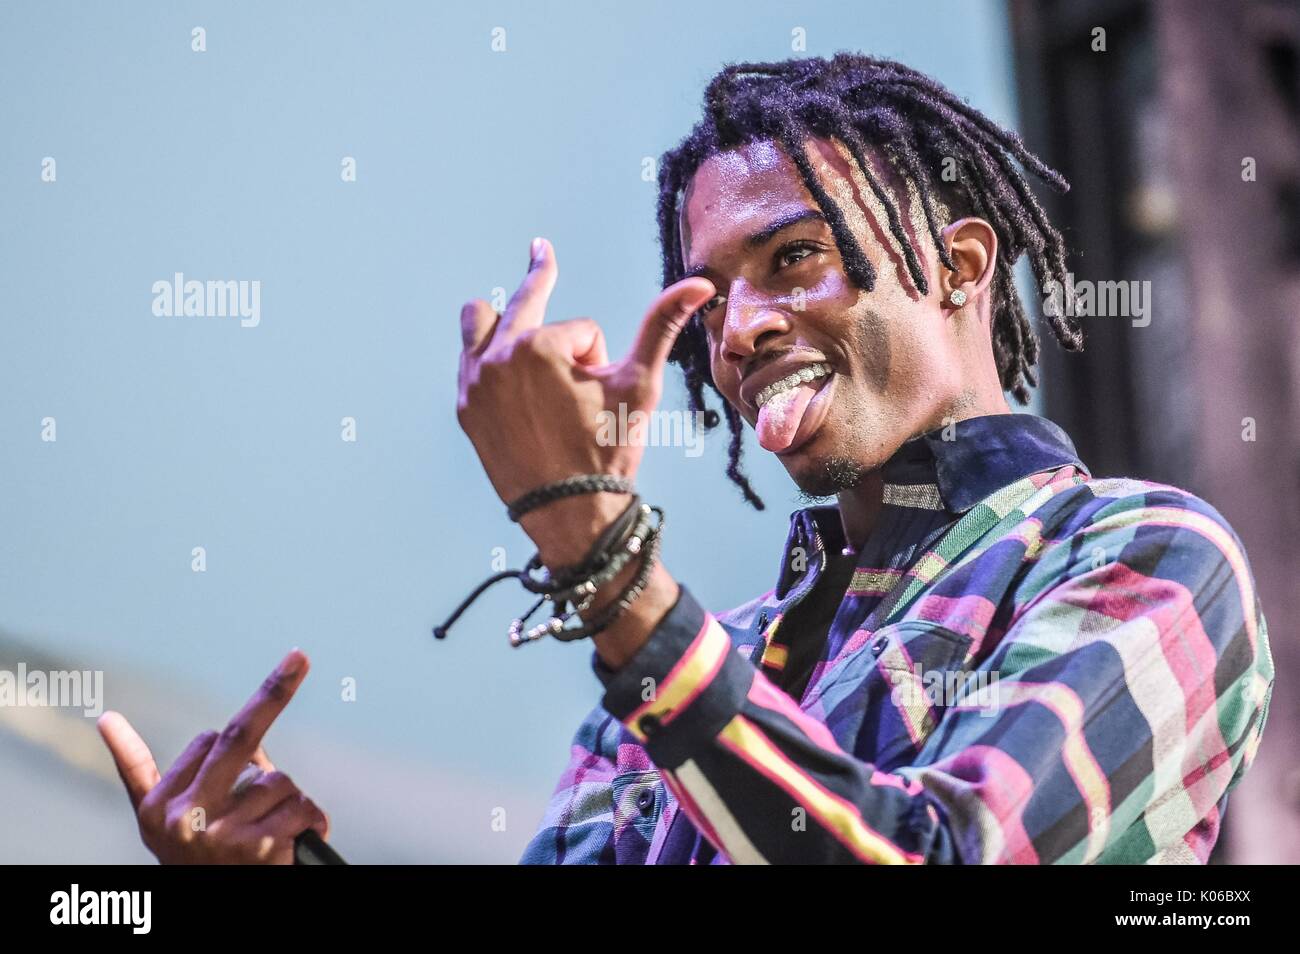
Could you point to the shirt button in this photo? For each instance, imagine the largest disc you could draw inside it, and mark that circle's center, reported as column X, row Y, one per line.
column 879, row 645
column 762, row 621
column 645, row 800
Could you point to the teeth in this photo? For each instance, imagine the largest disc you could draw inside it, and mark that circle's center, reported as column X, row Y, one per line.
column 792, row 380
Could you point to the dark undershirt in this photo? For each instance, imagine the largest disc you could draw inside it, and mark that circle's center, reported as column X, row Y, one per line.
column 806, row 626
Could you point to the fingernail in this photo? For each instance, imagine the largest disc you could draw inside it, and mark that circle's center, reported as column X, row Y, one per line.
column 536, row 251
column 290, row 665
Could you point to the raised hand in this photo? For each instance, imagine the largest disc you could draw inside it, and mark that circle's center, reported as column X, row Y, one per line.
column 531, row 395
column 194, row 813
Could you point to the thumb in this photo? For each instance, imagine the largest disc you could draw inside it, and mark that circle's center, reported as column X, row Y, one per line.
column 665, row 319
column 135, row 763
column 262, row 760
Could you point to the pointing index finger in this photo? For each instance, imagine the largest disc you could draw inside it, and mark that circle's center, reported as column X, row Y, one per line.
column 242, row 736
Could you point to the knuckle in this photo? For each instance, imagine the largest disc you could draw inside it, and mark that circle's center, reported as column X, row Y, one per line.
column 152, row 809
column 275, row 687
column 234, row 733
column 275, row 784
column 542, row 344
column 308, row 813
column 150, row 819
column 267, row 780
column 641, row 380
column 492, row 366
column 470, row 388
column 218, row 831
column 524, row 291
column 272, row 850
column 177, row 825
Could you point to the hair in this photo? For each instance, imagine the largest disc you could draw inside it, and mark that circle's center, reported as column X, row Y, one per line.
column 917, row 126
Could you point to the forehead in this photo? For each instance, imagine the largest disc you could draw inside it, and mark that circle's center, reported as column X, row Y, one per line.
column 739, row 188
column 738, row 180
column 737, row 193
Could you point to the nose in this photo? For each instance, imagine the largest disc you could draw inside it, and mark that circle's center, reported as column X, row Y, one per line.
column 750, row 318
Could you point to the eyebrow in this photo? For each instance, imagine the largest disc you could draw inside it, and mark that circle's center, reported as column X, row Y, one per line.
column 767, row 232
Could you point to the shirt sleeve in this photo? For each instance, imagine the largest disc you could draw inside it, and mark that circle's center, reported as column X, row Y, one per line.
column 1130, row 689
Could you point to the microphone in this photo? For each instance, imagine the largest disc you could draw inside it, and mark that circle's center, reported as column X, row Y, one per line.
column 310, row 849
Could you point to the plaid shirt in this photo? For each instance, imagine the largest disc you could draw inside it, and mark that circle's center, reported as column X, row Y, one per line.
column 1029, row 665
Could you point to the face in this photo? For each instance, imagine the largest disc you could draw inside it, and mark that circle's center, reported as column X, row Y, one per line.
column 832, row 378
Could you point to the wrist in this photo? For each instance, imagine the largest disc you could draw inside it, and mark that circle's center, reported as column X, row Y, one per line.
column 565, row 530
column 620, row 642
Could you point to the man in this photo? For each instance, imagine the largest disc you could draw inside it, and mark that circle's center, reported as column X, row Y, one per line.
column 1117, row 618
column 980, row 653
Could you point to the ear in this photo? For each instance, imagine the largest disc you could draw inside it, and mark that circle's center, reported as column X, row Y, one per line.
column 973, row 247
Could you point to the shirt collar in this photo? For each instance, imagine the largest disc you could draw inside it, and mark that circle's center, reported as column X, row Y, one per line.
column 972, row 458
column 965, row 461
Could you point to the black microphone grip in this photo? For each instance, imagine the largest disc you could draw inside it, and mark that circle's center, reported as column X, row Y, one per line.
column 310, row 849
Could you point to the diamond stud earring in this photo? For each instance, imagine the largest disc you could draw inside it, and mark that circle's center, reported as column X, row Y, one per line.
column 957, row 297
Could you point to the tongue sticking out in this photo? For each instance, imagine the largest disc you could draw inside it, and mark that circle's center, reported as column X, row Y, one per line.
column 779, row 418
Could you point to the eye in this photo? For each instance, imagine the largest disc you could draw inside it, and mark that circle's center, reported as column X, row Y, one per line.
column 712, row 303
column 795, row 252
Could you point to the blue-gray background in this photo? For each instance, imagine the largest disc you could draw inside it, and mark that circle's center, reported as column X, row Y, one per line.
column 175, row 433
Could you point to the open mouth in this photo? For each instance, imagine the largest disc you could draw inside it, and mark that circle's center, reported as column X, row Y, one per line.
column 790, row 410
column 791, row 381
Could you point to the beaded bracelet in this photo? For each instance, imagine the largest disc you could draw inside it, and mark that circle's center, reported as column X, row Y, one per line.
column 598, row 555
column 647, row 544
column 556, row 626
column 581, row 582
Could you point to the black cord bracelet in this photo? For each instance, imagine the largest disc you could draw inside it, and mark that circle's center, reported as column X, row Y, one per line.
column 568, row 487
column 580, row 588
column 597, row 558
column 606, row 617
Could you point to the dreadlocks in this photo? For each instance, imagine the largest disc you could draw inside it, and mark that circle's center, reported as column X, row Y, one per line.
column 917, row 126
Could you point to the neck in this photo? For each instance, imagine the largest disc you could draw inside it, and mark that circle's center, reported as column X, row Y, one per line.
column 860, row 506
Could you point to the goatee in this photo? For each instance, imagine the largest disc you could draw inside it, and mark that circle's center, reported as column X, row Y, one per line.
column 833, row 475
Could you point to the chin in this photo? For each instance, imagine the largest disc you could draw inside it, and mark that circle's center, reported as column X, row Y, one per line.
column 824, row 475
